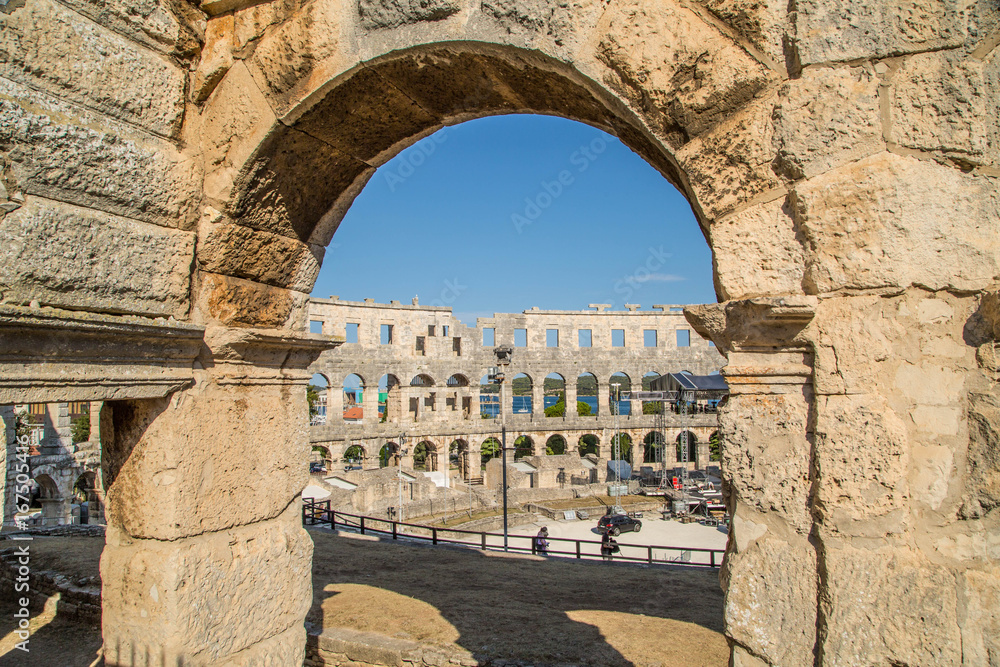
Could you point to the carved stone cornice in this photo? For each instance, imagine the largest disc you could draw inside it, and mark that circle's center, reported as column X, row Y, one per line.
column 263, row 356
column 50, row 355
column 763, row 339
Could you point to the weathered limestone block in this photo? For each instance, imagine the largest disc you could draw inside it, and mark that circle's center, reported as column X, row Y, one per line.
column 243, row 303
column 888, row 605
column 757, row 252
column 770, row 605
column 764, row 23
column 207, row 598
column 893, row 221
column 839, row 30
column 861, row 461
column 288, row 648
column 77, row 60
column 982, row 493
column 61, row 255
column 303, row 54
column 940, row 103
column 216, row 57
column 235, row 121
column 391, row 13
column 194, row 474
column 731, row 164
column 825, row 118
column 683, row 74
column 766, row 456
column 980, row 616
column 65, row 152
column 346, row 120
column 251, row 22
column 855, row 339
column 268, row 193
column 170, row 26
column 260, row 256
column 562, row 24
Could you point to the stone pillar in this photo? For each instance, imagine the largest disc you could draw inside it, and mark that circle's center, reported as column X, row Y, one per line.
column 206, row 560
column 475, row 411
column 394, row 404
column 507, row 404
column 475, row 460
column 55, row 511
column 538, row 399
column 369, row 404
column 603, row 399
column 334, row 404
column 571, row 399
column 767, row 467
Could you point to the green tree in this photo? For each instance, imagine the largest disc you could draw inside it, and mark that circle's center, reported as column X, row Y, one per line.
column 714, row 447
column 583, row 409
column 589, row 444
column 312, row 397
column 559, row 409
column 490, row 449
column 522, row 447
column 80, row 428
column 652, row 407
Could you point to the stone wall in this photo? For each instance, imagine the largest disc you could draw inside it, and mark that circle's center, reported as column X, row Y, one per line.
column 172, row 172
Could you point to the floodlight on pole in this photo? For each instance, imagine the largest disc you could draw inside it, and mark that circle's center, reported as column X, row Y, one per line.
column 503, row 354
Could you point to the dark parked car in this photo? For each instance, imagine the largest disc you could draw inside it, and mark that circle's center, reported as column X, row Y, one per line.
column 616, row 524
column 317, row 466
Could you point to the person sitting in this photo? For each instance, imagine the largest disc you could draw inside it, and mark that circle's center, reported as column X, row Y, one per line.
column 541, row 543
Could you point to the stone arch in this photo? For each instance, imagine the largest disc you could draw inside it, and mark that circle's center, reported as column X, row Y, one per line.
column 458, row 457
column 422, row 380
column 388, row 455
column 624, row 446
column 458, row 380
column 355, row 453
column 652, row 450
column 524, row 445
column 587, row 388
column 390, row 409
column 490, row 448
column 589, row 443
column 320, row 403
column 555, row 444
column 425, row 456
column 522, row 396
column 708, row 98
column 692, row 446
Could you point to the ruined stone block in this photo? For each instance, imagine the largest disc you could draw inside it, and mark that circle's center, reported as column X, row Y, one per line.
column 825, row 118
column 170, row 27
column 893, row 221
column 757, row 252
column 79, row 61
column 392, row 13
column 940, row 103
column 260, row 256
column 65, row 152
column 61, row 255
column 839, row 30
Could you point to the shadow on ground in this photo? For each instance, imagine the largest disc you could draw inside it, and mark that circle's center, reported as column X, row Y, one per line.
column 519, row 607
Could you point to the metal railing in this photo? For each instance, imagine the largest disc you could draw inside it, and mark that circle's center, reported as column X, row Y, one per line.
column 319, row 512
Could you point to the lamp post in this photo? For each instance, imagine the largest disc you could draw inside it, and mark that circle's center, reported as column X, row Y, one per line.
column 399, row 473
column 497, row 375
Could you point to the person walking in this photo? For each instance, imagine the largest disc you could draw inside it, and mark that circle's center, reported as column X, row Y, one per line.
column 541, row 541
column 609, row 547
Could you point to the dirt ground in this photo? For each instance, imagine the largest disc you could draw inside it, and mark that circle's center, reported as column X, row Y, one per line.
column 498, row 606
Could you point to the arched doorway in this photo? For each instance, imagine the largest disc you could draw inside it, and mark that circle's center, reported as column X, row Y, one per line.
column 524, row 445
column 425, row 456
column 556, row 444
column 589, row 444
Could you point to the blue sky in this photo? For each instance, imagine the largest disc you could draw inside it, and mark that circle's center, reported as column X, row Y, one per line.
column 504, row 213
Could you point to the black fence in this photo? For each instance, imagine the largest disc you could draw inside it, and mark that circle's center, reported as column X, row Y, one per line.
column 319, row 512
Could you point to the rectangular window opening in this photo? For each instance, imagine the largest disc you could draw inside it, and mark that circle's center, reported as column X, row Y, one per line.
column 315, row 326
column 430, row 329
column 456, row 346
column 444, row 329
column 520, row 338
column 352, row 332
column 617, row 338
column 552, row 338
column 586, row 337
column 649, row 337
column 683, row 338
column 385, row 334
column 489, row 337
